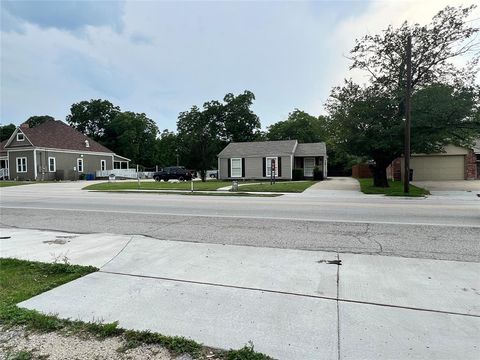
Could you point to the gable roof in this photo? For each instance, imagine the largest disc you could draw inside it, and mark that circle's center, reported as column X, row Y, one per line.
column 311, row 149
column 258, row 148
column 55, row 134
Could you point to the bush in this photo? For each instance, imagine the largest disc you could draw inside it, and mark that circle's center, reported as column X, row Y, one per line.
column 317, row 173
column 297, row 174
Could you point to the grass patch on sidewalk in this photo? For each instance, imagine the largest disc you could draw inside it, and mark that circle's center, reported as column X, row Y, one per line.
column 21, row 280
column 159, row 185
column 7, row 183
column 395, row 189
column 279, row 186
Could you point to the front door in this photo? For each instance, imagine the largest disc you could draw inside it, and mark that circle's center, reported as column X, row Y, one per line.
column 308, row 165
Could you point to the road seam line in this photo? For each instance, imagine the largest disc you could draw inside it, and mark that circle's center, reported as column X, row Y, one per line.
column 244, row 217
column 286, row 293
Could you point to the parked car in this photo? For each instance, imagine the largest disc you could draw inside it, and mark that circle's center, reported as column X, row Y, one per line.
column 212, row 174
column 173, row 172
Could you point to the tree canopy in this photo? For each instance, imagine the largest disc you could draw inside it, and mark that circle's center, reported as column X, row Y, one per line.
column 369, row 120
column 6, row 131
column 33, row 121
column 92, row 117
column 202, row 133
column 299, row 126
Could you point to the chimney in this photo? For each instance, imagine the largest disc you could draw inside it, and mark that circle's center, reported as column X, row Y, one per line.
column 24, row 126
column 87, row 143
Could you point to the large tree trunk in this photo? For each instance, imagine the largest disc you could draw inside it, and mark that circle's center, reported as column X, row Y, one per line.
column 379, row 171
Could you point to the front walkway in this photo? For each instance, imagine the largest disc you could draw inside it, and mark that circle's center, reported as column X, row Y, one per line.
column 292, row 304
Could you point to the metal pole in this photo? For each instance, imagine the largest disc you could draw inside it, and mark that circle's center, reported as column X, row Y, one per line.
column 408, row 105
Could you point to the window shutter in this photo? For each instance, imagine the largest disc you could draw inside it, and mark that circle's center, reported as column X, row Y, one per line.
column 279, row 166
column 264, row 167
column 229, row 168
column 243, row 167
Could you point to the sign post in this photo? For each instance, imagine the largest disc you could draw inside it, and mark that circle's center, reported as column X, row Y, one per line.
column 272, row 172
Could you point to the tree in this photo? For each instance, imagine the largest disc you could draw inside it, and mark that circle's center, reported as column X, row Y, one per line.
column 6, row 131
column 198, row 136
column 241, row 123
column 202, row 133
column 299, row 126
column 92, row 117
column 449, row 35
column 167, row 149
column 365, row 121
column 33, row 121
column 133, row 135
column 434, row 46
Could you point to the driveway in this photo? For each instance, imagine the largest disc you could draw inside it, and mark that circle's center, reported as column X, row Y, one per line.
column 334, row 187
column 456, row 185
column 336, row 183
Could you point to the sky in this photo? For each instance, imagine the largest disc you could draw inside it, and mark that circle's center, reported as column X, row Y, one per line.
column 161, row 58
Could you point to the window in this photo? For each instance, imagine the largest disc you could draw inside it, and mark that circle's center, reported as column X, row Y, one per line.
column 103, row 165
column 52, row 165
column 20, row 136
column 269, row 166
column 236, row 167
column 21, row 165
column 80, row 165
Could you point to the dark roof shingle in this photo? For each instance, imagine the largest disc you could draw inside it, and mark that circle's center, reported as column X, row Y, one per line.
column 258, row 148
column 55, row 134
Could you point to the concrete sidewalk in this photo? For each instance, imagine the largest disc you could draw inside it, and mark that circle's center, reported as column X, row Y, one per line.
column 292, row 304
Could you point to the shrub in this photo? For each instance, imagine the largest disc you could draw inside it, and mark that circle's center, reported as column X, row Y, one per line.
column 297, row 174
column 317, row 173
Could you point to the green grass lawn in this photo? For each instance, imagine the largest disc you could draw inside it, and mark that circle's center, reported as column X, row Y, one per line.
column 5, row 183
column 395, row 189
column 21, row 280
column 279, row 186
column 158, row 185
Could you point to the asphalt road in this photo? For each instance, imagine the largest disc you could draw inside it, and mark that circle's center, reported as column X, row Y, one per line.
column 437, row 227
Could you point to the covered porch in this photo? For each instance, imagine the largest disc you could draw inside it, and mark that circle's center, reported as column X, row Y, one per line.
column 120, row 162
column 308, row 164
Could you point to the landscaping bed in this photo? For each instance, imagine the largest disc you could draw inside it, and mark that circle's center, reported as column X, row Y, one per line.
column 395, row 189
column 28, row 334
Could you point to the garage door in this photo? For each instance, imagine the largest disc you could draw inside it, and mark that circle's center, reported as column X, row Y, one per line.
column 438, row 167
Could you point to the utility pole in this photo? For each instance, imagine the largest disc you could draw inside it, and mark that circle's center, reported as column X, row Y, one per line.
column 408, row 103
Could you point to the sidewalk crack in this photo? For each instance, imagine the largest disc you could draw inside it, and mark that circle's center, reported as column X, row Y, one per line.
column 116, row 255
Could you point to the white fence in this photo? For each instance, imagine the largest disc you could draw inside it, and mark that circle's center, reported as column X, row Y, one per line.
column 124, row 173
column 3, row 173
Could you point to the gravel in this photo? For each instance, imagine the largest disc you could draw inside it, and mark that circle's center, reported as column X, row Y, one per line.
column 55, row 346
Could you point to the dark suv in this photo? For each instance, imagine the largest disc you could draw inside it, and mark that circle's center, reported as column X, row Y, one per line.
column 173, row 172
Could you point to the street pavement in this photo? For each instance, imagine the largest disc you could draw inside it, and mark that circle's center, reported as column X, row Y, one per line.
column 346, row 221
column 292, row 304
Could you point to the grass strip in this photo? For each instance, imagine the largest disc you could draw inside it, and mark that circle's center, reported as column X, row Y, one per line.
column 279, row 186
column 7, row 183
column 395, row 189
column 21, row 280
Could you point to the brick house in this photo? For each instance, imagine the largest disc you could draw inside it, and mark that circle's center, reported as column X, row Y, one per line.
column 455, row 163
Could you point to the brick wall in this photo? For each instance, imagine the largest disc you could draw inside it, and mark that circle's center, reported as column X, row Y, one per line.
column 471, row 166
